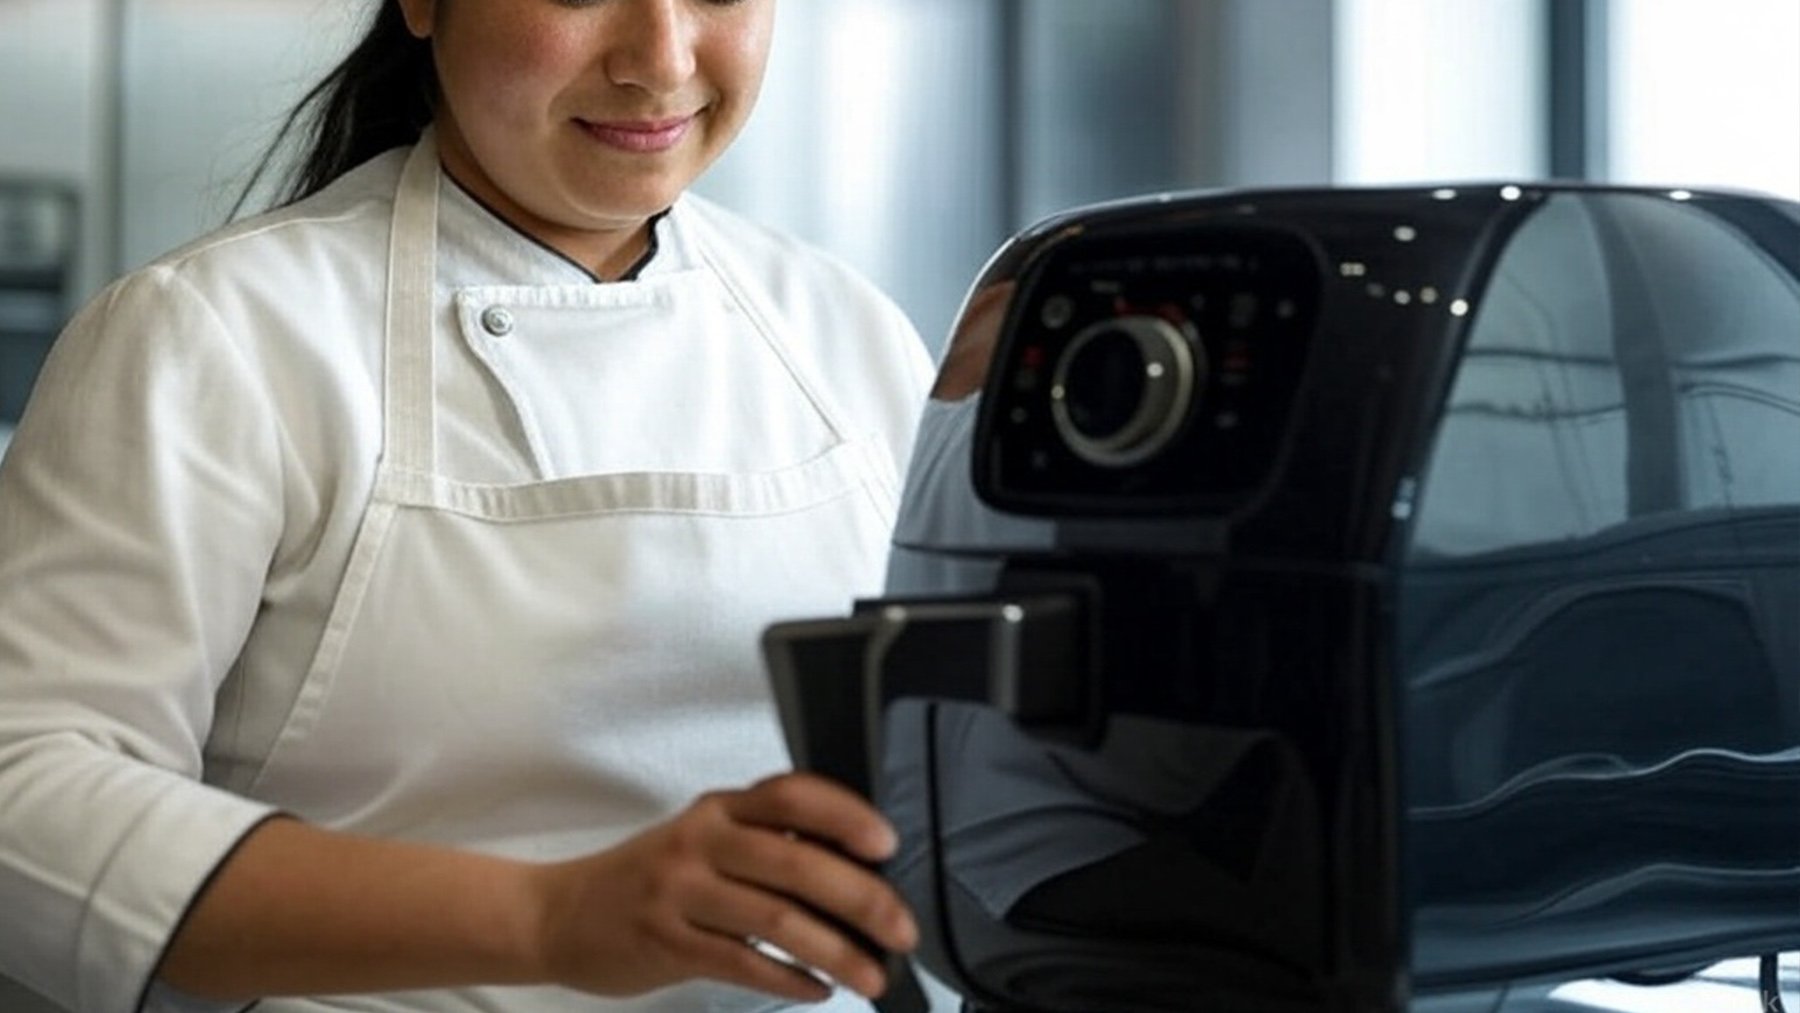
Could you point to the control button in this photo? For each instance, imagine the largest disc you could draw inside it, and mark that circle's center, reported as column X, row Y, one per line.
column 497, row 321
column 1058, row 311
column 1123, row 388
column 1243, row 310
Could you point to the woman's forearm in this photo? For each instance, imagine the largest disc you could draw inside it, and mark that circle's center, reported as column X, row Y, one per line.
column 296, row 910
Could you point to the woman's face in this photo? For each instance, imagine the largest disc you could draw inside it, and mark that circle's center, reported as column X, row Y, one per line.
column 580, row 119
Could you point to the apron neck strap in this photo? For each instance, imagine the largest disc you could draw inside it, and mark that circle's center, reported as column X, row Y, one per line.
column 409, row 425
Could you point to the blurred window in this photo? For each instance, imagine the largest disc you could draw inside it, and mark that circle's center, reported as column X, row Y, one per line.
column 1705, row 92
column 1633, row 356
column 1428, row 90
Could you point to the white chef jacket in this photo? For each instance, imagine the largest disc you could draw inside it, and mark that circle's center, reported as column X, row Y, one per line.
column 179, row 506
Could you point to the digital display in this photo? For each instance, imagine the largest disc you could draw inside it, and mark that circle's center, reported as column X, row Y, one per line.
column 1149, row 369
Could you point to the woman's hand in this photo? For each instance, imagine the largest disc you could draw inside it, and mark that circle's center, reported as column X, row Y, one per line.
column 775, row 862
column 299, row 910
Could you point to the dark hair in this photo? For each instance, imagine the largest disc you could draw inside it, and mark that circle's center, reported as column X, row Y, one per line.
column 381, row 96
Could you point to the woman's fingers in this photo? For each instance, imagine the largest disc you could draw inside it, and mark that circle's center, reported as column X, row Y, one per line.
column 751, row 916
column 782, row 861
column 794, row 849
column 823, row 880
column 815, row 807
column 736, row 961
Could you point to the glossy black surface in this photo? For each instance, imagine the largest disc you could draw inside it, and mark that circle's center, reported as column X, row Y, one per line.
column 1242, row 300
column 1596, row 603
column 1450, row 642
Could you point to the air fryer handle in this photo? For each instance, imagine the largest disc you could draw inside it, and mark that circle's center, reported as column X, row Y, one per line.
column 1026, row 656
column 834, row 678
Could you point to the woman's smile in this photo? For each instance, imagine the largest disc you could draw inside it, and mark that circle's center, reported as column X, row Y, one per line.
column 646, row 137
column 580, row 122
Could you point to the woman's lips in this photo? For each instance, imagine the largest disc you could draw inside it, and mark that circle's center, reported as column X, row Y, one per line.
column 639, row 136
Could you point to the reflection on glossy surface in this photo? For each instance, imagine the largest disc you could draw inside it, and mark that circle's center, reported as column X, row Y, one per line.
column 1037, row 831
column 1601, row 679
column 965, row 365
column 1571, row 413
column 1444, row 656
column 1727, row 987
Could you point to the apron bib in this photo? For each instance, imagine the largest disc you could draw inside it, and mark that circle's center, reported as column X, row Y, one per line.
column 541, row 670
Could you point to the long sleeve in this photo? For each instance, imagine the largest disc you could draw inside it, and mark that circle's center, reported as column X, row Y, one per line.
column 140, row 505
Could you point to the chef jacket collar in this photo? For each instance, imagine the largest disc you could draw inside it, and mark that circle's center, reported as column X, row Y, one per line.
column 483, row 248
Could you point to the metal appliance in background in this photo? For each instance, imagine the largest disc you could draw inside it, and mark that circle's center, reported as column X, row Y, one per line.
column 1335, row 600
column 37, row 264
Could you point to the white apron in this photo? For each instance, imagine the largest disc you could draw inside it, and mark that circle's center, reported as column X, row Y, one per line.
column 540, row 670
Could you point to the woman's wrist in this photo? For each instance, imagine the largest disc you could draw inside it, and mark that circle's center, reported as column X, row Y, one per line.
column 532, row 933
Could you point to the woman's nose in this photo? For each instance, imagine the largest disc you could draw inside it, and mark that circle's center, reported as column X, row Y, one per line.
column 653, row 48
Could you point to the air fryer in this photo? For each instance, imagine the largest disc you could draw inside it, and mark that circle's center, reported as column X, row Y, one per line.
column 1325, row 600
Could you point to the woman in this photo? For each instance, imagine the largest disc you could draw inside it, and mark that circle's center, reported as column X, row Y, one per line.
column 380, row 577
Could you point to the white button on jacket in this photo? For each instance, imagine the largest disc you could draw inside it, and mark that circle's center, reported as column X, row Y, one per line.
column 492, row 583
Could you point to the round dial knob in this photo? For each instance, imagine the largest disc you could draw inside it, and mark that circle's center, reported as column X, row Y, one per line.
column 1124, row 388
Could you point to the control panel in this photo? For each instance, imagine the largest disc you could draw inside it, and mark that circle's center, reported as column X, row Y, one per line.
column 1148, row 370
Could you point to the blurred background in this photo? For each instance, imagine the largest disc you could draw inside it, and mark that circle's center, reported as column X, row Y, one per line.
column 911, row 137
